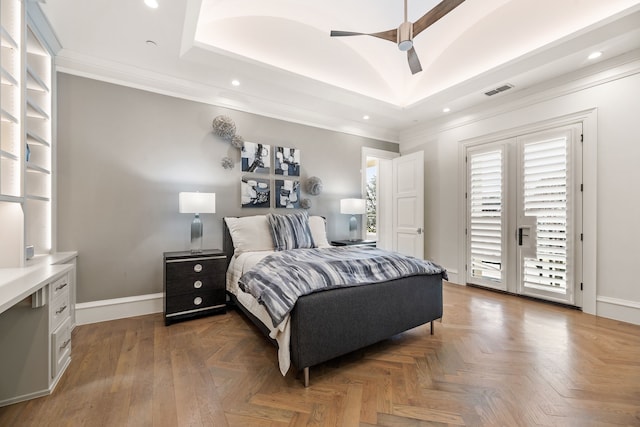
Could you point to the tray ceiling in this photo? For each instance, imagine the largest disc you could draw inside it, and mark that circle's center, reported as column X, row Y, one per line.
column 281, row 53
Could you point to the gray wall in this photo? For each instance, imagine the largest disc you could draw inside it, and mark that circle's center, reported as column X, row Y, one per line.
column 124, row 155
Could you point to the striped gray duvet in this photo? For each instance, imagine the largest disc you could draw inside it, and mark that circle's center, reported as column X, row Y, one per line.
column 279, row 279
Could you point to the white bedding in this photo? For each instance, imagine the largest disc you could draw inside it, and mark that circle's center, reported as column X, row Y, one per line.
column 282, row 334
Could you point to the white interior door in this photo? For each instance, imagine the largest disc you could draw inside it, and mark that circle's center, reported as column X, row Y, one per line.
column 408, row 204
column 487, row 215
column 524, row 213
column 547, row 220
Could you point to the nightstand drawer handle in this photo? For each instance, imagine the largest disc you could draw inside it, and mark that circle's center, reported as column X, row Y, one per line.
column 197, row 284
column 66, row 343
column 61, row 309
column 61, row 286
column 197, row 268
column 197, row 300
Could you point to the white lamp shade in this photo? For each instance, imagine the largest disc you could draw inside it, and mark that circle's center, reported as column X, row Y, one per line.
column 197, row 202
column 353, row 206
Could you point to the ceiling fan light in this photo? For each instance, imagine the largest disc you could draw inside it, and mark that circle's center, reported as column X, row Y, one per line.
column 405, row 45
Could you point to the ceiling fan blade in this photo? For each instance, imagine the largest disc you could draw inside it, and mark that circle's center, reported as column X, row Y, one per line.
column 346, row 33
column 414, row 62
column 390, row 35
column 431, row 17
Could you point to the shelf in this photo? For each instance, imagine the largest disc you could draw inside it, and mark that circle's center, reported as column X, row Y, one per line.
column 8, row 155
column 35, row 168
column 32, row 138
column 35, row 111
column 37, row 198
column 7, row 40
column 7, row 78
column 34, row 82
column 8, row 117
column 11, row 199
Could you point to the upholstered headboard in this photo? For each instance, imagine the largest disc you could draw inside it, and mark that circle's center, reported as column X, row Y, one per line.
column 227, row 242
column 257, row 235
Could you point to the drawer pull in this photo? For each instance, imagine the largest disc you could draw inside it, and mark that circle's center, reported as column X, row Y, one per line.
column 197, row 268
column 197, row 300
column 65, row 344
column 61, row 309
column 61, row 286
column 197, row 284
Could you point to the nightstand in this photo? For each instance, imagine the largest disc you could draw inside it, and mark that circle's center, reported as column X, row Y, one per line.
column 353, row 243
column 194, row 284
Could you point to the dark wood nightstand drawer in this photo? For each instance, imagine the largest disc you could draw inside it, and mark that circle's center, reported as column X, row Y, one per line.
column 190, row 303
column 190, row 284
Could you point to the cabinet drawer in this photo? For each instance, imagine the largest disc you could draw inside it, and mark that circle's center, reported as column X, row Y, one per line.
column 194, row 268
column 202, row 284
column 59, row 286
column 195, row 301
column 60, row 347
column 59, row 309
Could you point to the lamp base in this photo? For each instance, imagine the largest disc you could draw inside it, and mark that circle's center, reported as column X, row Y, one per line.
column 196, row 235
column 353, row 228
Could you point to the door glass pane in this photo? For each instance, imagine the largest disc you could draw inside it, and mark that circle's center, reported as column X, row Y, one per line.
column 486, row 216
column 372, row 198
column 545, row 198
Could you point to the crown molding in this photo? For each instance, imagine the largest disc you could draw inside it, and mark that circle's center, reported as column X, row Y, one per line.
column 138, row 78
column 616, row 68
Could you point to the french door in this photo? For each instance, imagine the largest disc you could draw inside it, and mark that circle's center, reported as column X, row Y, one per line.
column 524, row 214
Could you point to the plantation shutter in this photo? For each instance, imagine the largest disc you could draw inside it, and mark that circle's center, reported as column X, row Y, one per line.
column 486, row 218
column 545, row 167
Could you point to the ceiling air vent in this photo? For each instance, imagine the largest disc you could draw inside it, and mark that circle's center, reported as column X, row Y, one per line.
column 499, row 89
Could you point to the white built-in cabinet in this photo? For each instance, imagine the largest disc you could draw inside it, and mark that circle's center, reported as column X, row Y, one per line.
column 37, row 295
column 26, row 153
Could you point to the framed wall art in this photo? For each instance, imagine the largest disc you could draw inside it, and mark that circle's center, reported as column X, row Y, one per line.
column 287, row 194
column 287, row 161
column 255, row 192
column 256, row 158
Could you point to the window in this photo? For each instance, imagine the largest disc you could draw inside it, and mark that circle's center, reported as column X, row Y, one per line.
column 371, row 196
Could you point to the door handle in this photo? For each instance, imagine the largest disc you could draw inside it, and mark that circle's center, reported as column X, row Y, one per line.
column 521, row 234
column 419, row 230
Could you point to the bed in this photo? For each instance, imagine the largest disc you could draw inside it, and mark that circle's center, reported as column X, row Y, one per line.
column 326, row 324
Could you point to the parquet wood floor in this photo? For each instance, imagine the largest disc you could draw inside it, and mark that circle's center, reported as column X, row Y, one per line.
column 495, row 360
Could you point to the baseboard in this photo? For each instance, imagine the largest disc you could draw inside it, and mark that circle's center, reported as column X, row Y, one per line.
column 618, row 309
column 118, row 308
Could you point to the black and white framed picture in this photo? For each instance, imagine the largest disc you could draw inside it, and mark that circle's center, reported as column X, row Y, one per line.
column 287, row 194
column 256, row 157
column 255, row 192
column 287, row 161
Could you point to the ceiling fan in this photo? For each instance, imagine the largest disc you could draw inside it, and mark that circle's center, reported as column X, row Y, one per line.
column 405, row 33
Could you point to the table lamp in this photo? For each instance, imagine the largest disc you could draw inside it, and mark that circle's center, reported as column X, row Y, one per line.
column 197, row 203
column 353, row 207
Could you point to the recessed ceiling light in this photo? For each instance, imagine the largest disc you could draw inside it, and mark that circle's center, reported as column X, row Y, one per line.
column 365, row 117
column 153, row 4
column 235, row 82
column 446, row 109
column 595, row 55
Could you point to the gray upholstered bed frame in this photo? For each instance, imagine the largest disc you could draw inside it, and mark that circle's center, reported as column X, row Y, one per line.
column 328, row 324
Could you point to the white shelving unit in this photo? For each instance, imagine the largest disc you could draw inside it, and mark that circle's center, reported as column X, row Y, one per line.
column 38, row 139
column 11, row 131
column 26, row 139
column 11, row 19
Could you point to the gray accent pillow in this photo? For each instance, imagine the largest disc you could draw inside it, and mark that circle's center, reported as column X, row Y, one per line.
column 290, row 231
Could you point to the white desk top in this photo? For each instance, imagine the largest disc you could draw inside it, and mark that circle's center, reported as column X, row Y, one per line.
column 18, row 283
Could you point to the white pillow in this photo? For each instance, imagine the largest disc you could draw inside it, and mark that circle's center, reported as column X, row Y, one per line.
column 250, row 234
column 318, row 228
